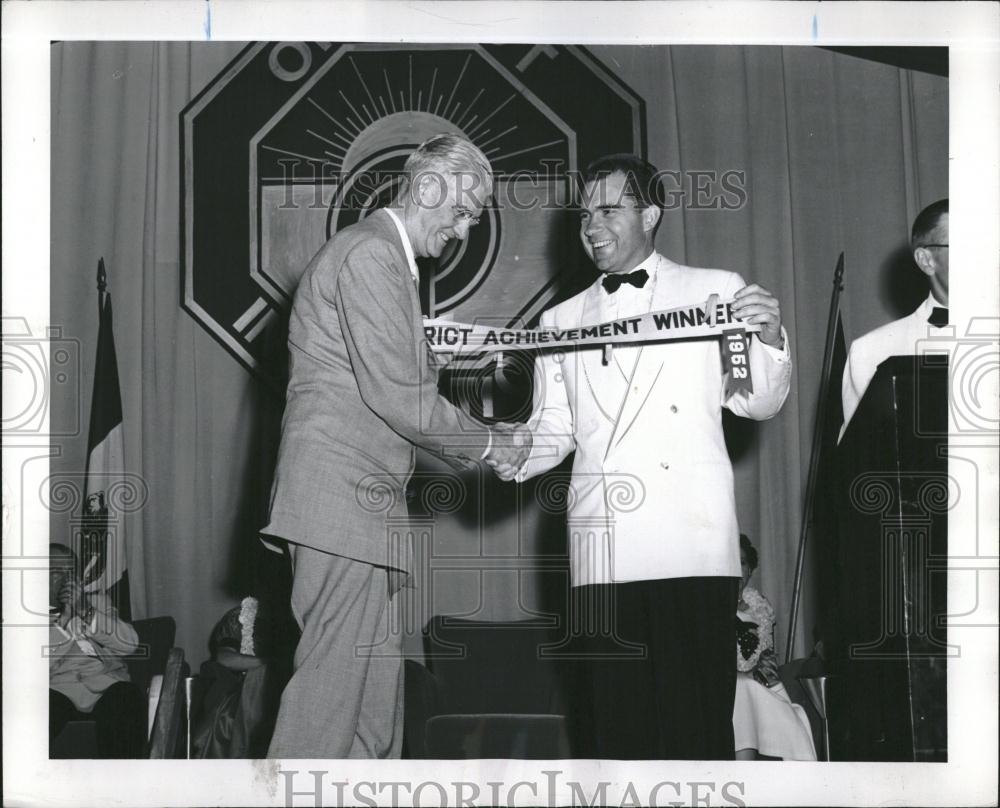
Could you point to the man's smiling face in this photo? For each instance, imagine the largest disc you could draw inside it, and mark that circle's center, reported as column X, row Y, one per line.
column 448, row 205
column 612, row 226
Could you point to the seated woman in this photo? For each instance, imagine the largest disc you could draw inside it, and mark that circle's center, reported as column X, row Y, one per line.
column 242, row 682
column 765, row 721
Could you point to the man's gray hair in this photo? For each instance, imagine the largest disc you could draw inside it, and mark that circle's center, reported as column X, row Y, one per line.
column 451, row 154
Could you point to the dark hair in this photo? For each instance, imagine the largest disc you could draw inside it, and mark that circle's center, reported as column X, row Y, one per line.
column 927, row 222
column 749, row 550
column 245, row 629
column 642, row 180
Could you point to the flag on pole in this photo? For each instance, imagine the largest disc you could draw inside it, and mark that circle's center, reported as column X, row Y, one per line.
column 822, row 467
column 828, row 506
column 102, row 555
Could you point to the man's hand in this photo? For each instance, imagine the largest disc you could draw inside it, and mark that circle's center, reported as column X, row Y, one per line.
column 73, row 600
column 511, row 447
column 754, row 304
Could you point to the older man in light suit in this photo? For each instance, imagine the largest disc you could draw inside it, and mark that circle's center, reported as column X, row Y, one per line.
column 362, row 395
column 653, row 537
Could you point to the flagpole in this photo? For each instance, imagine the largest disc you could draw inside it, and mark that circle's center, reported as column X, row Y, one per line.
column 824, row 384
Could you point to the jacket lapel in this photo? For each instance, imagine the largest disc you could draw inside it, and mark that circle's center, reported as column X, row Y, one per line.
column 386, row 228
column 607, row 385
column 648, row 364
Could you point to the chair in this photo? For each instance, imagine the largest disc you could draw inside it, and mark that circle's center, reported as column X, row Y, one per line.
column 815, row 687
column 167, row 737
column 484, row 735
column 156, row 638
column 78, row 739
column 490, row 690
column 798, row 676
column 421, row 702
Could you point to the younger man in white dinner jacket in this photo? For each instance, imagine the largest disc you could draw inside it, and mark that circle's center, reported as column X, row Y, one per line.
column 653, row 536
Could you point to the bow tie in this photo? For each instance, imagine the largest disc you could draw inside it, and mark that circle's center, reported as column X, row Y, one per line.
column 638, row 279
column 939, row 317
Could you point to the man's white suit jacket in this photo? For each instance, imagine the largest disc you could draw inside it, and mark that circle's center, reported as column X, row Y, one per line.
column 908, row 336
column 651, row 494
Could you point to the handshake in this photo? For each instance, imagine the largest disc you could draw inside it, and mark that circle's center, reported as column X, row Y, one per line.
column 511, row 447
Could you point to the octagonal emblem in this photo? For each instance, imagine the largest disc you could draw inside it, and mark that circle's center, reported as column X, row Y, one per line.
column 295, row 141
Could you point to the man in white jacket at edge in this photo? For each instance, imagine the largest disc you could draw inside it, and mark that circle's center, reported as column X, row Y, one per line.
column 653, row 537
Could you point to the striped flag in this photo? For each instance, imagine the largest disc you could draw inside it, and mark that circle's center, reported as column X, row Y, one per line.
column 102, row 553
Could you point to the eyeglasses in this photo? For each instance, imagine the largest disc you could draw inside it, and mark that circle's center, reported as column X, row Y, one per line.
column 943, row 246
column 464, row 214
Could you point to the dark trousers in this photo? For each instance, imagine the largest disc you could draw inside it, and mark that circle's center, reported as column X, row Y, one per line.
column 655, row 665
column 119, row 716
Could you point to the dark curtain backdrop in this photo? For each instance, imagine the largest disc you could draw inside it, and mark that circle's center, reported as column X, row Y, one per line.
column 839, row 154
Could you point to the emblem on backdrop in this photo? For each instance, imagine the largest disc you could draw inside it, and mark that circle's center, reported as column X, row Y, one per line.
column 294, row 141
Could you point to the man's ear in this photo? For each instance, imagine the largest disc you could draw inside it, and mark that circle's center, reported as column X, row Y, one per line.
column 430, row 189
column 418, row 190
column 923, row 259
column 650, row 217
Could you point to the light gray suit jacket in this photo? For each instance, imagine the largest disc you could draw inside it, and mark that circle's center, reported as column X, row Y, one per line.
column 362, row 394
column 651, row 495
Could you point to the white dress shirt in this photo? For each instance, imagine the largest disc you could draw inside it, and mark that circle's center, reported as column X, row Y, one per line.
column 629, row 301
column 411, row 259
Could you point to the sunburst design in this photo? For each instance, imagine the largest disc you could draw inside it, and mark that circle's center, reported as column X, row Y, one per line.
column 374, row 85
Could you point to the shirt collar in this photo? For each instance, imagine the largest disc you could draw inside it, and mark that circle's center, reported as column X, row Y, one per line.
column 930, row 304
column 650, row 264
column 411, row 259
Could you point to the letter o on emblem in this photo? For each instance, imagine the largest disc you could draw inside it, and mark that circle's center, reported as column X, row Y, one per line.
column 283, row 73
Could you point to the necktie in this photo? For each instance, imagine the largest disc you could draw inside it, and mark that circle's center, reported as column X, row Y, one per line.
column 611, row 283
column 939, row 317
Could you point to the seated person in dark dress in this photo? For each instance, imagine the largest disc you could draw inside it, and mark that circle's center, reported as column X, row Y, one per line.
column 242, row 684
column 88, row 678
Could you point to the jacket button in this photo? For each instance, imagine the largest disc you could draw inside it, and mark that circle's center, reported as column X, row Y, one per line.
column 673, row 408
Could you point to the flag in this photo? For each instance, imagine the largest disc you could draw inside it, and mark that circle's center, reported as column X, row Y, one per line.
column 827, row 504
column 102, row 551
column 819, row 513
column 834, row 412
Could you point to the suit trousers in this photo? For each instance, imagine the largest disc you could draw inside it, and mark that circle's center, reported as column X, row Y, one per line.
column 655, row 665
column 345, row 696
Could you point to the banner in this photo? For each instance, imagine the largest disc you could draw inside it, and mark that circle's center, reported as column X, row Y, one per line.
column 102, row 554
column 713, row 319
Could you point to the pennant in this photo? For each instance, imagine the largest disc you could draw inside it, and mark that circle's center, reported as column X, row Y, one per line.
column 684, row 322
column 736, row 361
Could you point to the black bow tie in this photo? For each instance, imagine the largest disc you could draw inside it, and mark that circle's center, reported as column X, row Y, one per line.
column 637, row 279
column 939, row 317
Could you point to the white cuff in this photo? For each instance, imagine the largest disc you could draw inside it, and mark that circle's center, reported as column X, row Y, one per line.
column 782, row 354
